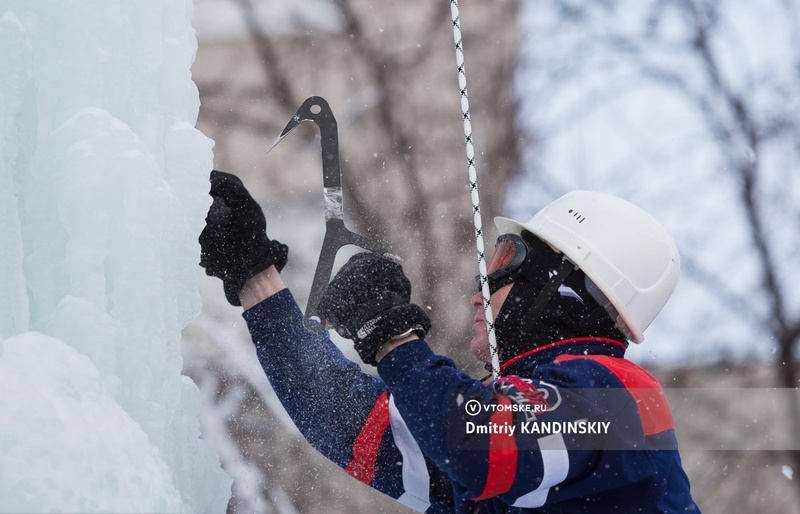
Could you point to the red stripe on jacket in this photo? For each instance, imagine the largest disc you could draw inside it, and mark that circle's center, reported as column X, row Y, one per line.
column 368, row 442
column 651, row 402
column 502, row 454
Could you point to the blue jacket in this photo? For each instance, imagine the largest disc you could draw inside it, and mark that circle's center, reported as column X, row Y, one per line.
column 570, row 427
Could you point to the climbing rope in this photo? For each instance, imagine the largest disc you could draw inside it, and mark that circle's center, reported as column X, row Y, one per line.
column 473, row 187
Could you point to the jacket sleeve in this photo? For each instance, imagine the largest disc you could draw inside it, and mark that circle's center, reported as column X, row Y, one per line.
column 464, row 426
column 344, row 413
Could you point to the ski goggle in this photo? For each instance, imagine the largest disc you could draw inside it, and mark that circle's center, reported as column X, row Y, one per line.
column 510, row 253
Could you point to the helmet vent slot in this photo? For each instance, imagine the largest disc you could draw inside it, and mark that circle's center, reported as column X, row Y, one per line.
column 578, row 216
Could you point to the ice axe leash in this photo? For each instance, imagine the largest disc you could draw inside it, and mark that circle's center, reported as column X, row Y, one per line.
column 337, row 235
column 473, row 187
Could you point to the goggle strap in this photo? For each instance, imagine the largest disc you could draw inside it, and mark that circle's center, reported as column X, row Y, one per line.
column 547, row 292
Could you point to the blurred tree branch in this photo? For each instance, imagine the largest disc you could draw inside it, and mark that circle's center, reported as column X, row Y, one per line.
column 398, row 122
column 742, row 124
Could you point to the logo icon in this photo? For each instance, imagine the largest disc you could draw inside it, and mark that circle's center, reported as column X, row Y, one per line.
column 473, row 407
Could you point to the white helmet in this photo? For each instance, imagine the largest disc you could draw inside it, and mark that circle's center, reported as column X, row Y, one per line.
column 624, row 251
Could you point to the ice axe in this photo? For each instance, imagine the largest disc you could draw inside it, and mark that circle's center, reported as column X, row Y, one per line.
column 337, row 235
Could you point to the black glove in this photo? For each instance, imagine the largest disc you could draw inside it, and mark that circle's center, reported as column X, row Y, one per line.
column 234, row 245
column 368, row 302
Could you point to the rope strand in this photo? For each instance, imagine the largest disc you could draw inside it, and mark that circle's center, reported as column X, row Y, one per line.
column 473, row 187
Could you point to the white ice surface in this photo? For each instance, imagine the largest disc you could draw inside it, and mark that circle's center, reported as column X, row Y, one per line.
column 103, row 192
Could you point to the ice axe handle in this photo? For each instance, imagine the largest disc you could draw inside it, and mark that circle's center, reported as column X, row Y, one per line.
column 336, row 236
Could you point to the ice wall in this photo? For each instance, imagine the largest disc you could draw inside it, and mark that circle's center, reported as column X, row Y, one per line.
column 103, row 191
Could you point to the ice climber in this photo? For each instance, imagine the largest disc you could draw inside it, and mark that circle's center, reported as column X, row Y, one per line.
column 571, row 426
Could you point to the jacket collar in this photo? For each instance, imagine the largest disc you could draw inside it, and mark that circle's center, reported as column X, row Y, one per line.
column 545, row 354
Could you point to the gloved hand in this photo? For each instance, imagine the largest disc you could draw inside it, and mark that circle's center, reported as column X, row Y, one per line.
column 368, row 302
column 234, row 245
